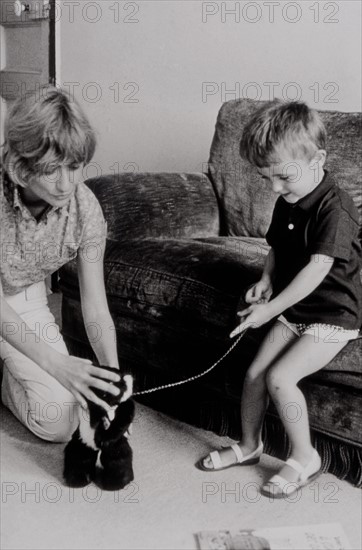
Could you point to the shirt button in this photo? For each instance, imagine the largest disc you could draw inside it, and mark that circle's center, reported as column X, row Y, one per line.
column 291, row 226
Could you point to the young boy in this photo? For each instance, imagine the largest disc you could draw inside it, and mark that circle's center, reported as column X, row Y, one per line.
column 48, row 217
column 310, row 286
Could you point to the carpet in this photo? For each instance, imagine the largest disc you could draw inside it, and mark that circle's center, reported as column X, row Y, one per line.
column 169, row 501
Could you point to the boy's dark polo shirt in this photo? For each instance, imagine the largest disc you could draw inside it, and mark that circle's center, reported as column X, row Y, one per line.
column 323, row 222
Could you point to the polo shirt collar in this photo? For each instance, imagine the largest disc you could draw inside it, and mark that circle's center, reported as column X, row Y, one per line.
column 314, row 196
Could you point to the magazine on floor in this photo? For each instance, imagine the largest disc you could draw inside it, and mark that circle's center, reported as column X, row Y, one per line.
column 327, row 536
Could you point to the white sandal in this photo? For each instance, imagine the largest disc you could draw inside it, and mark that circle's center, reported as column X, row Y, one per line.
column 241, row 460
column 279, row 487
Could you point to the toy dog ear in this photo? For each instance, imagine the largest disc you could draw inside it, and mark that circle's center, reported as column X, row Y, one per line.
column 125, row 385
column 128, row 379
column 106, row 422
column 125, row 415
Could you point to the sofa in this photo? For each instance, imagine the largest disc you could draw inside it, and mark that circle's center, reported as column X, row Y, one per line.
column 182, row 249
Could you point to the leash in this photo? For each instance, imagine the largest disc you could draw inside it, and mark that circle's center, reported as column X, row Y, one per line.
column 192, row 378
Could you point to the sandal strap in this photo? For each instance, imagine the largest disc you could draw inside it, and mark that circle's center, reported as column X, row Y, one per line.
column 306, row 471
column 216, row 460
column 286, row 487
column 295, row 465
column 238, row 452
column 283, row 485
column 277, row 479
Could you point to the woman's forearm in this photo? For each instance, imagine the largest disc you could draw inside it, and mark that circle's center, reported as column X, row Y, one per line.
column 102, row 336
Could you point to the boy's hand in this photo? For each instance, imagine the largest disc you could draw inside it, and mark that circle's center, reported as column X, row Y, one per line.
column 260, row 292
column 253, row 317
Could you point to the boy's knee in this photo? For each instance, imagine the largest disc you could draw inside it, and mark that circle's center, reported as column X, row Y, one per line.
column 277, row 379
column 254, row 374
column 273, row 379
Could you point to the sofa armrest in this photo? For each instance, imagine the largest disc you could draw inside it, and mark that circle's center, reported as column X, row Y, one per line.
column 149, row 205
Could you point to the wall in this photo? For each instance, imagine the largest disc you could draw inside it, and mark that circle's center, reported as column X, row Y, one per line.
column 153, row 74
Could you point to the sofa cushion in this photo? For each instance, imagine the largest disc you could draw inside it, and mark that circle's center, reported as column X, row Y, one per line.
column 201, row 280
column 140, row 205
column 246, row 200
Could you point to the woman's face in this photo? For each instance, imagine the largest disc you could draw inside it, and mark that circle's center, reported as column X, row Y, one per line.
column 56, row 187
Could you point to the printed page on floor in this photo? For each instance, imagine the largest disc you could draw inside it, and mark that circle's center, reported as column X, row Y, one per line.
column 327, row 536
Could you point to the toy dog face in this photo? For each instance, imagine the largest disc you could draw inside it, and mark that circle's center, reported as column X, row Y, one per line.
column 99, row 450
column 99, row 419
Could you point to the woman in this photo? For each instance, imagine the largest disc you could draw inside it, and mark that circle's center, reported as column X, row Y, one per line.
column 49, row 217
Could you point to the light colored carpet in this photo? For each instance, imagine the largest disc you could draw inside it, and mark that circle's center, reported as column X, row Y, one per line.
column 169, row 501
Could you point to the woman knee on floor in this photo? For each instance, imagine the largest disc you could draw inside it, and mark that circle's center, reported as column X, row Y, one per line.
column 54, row 423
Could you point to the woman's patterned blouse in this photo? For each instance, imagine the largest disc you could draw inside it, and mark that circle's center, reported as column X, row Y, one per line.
column 31, row 249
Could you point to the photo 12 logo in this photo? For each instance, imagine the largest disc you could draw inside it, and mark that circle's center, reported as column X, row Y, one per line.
column 52, row 493
column 317, row 92
column 69, row 11
column 89, row 92
column 271, row 12
column 235, row 492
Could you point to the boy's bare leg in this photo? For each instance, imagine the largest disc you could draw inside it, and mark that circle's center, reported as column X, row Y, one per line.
column 306, row 356
column 254, row 399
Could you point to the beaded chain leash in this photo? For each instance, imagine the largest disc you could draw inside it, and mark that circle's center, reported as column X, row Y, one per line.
column 192, row 378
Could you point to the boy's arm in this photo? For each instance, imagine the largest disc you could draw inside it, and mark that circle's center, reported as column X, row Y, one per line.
column 269, row 266
column 263, row 289
column 332, row 238
column 302, row 285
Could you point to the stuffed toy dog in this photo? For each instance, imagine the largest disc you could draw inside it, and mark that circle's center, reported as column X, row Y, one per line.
column 99, row 450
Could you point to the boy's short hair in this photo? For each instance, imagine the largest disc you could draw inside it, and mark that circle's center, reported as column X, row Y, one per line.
column 292, row 126
column 44, row 130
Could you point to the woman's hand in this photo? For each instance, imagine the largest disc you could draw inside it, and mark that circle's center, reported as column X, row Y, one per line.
column 253, row 317
column 260, row 292
column 78, row 375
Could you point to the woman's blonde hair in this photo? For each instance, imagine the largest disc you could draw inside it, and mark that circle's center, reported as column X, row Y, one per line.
column 43, row 131
column 289, row 125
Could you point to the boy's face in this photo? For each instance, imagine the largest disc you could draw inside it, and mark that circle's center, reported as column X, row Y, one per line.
column 294, row 178
column 56, row 187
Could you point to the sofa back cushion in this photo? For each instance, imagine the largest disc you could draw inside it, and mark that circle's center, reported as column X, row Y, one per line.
column 245, row 200
column 144, row 205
